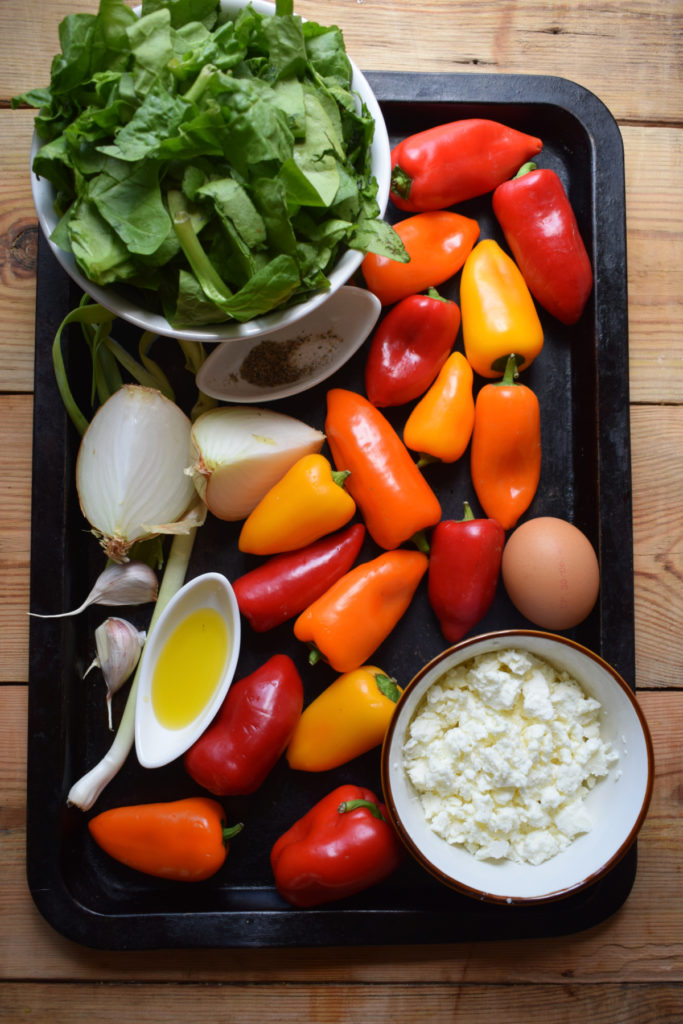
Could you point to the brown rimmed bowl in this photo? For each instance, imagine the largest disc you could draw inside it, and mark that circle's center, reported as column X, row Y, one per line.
column 617, row 804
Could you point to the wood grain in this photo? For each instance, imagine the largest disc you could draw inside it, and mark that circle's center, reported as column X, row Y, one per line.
column 578, row 40
column 627, row 970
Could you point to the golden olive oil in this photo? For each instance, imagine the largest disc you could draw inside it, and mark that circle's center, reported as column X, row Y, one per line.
column 189, row 668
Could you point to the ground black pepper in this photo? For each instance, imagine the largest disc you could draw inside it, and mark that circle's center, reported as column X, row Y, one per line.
column 271, row 363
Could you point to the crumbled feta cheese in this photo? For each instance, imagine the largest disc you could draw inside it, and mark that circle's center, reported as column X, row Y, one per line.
column 502, row 750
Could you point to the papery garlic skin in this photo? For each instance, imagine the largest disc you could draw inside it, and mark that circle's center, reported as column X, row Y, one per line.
column 119, row 645
column 130, row 469
column 128, row 584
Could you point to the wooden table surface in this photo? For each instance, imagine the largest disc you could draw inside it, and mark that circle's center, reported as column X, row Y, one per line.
column 628, row 968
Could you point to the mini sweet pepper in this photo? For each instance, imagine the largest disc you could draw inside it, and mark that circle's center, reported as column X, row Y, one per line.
column 499, row 317
column 341, row 846
column 409, row 348
column 440, row 425
column 348, row 718
column 459, row 160
column 464, row 567
column 540, row 227
column 349, row 622
column 307, row 503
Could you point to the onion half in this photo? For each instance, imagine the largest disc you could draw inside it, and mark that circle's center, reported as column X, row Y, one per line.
column 130, row 470
column 240, row 453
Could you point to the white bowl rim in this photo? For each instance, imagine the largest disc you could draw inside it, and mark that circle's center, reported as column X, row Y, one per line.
column 120, row 306
column 560, row 892
column 154, row 753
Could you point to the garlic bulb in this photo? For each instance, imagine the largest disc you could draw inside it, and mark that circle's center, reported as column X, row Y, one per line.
column 119, row 645
column 241, row 452
column 130, row 470
column 128, row 584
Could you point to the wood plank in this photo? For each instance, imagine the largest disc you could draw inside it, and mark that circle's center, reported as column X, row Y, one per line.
column 654, row 217
column 331, row 1004
column 18, row 252
column 16, row 418
column 510, row 36
column 642, row 942
column 657, row 443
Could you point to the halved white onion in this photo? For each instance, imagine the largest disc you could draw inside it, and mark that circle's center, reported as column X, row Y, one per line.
column 240, row 453
column 130, row 470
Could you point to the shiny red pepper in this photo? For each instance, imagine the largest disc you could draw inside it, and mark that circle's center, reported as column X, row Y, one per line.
column 409, row 348
column 342, row 845
column 283, row 586
column 540, row 227
column 464, row 568
column 453, row 162
column 236, row 753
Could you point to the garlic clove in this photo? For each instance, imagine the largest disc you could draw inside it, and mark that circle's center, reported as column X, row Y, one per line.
column 119, row 646
column 131, row 583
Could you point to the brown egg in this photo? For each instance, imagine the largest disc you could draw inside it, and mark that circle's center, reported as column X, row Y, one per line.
column 551, row 572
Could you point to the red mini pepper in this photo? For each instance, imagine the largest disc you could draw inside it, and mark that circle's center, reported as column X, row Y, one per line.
column 453, row 162
column 284, row 585
column 409, row 348
column 464, row 568
column 252, row 729
column 342, row 845
column 540, row 227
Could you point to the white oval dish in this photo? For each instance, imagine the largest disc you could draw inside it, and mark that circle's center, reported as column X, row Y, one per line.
column 120, row 305
column 617, row 804
column 327, row 337
column 155, row 744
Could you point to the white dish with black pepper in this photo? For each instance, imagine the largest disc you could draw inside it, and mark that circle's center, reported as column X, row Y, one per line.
column 294, row 358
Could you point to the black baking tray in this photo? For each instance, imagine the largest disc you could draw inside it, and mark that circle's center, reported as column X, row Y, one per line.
column 581, row 378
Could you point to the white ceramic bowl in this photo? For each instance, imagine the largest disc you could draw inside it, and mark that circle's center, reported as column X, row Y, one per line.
column 157, row 744
column 617, row 804
column 121, row 306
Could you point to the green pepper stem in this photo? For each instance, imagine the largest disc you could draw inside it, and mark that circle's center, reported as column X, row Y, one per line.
column 420, row 541
column 340, row 475
column 525, row 168
column 231, row 832
column 400, row 182
column 388, row 686
column 351, row 805
column 468, row 513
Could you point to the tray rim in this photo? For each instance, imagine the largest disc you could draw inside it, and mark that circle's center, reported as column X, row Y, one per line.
column 400, row 926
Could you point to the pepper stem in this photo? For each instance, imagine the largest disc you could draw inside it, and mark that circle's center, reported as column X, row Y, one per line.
column 469, row 514
column 420, row 541
column 388, row 686
column 400, row 182
column 231, row 832
column 339, row 476
column 351, row 805
column 525, row 168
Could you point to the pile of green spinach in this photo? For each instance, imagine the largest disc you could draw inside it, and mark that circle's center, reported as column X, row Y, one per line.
column 220, row 165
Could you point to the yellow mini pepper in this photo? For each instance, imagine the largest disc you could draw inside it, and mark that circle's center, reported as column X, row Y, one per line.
column 499, row 317
column 440, row 425
column 307, row 503
column 346, row 720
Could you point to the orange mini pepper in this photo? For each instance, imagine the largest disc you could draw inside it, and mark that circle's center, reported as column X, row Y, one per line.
column 505, row 458
column 499, row 317
column 184, row 840
column 437, row 242
column 440, row 425
column 349, row 622
column 307, row 503
column 346, row 720
column 394, row 498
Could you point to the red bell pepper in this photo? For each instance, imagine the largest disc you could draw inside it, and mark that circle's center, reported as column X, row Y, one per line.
column 342, row 845
column 251, row 731
column 463, row 571
column 540, row 227
column 284, row 585
column 453, row 162
column 409, row 348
